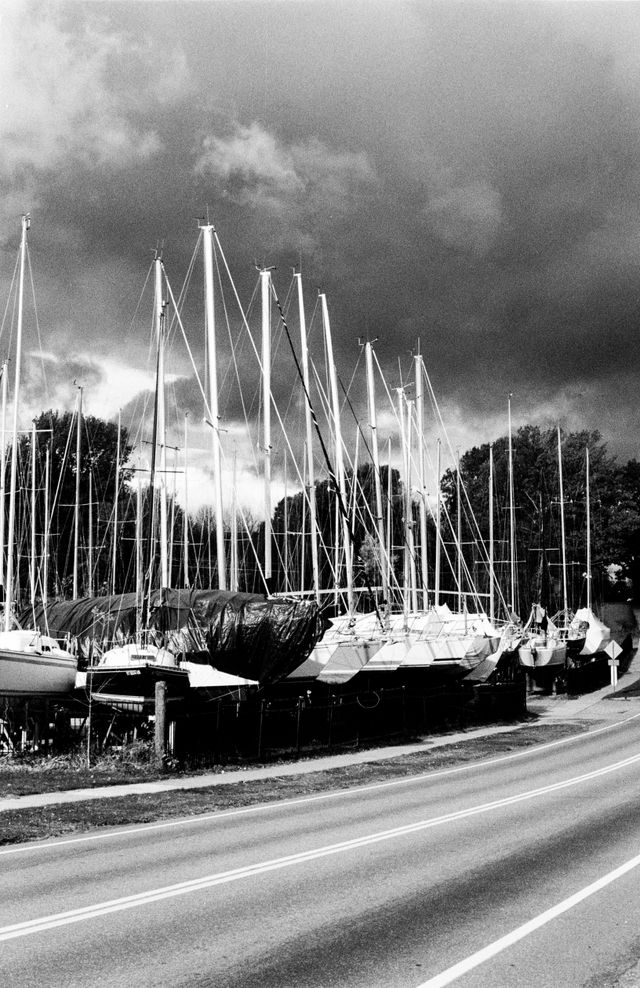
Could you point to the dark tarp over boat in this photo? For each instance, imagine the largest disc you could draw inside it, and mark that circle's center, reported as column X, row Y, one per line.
column 244, row 634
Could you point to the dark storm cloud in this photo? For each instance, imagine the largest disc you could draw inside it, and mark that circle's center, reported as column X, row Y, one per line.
column 462, row 174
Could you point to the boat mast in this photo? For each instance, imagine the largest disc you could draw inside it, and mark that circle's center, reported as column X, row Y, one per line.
column 47, row 526
column 406, row 510
column 341, row 493
column 9, row 596
column 210, row 326
column 438, row 524
column 382, row 545
column 76, row 520
column 311, row 483
column 234, row 575
column 389, row 492
column 565, row 602
column 139, row 560
column 115, row 511
column 3, row 455
column 491, row 548
column 32, row 561
column 160, row 327
column 459, row 532
column 588, row 534
column 185, row 527
column 303, row 525
column 422, row 504
column 265, row 284
column 90, row 540
column 411, row 548
column 512, row 521
column 285, row 522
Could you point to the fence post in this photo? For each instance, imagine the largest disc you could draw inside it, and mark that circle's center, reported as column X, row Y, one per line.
column 217, row 746
column 330, row 718
column 299, row 715
column 260, row 729
column 161, row 720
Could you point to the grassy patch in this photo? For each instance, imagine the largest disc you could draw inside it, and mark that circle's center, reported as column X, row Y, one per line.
column 42, row 822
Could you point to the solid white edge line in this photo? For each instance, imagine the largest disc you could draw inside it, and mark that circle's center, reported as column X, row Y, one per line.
column 222, row 815
column 474, row 960
column 43, row 923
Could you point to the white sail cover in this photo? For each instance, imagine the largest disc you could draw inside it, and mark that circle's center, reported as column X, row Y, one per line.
column 598, row 635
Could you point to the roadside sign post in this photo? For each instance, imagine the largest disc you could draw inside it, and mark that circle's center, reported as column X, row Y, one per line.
column 613, row 650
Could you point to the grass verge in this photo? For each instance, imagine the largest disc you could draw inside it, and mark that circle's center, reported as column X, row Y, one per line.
column 42, row 822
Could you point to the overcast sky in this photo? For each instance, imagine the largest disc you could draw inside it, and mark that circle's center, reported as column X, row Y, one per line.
column 466, row 175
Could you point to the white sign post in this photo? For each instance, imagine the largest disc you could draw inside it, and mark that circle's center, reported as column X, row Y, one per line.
column 613, row 650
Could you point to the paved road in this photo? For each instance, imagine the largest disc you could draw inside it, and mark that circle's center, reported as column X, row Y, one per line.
column 390, row 885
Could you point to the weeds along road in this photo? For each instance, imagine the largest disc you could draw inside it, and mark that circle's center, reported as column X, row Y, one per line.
column 518, row 871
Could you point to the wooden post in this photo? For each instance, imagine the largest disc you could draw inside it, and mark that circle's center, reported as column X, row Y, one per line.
column 161, row 721
column 260, row 729
column 299, row 714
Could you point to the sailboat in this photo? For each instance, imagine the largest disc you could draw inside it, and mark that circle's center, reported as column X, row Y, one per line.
column 202, row 643
column 31, row 663
column 545, row 640
column 588, row 636
column 383, row 641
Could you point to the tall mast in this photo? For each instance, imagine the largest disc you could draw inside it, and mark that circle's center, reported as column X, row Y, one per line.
column 311, row 483
column 185, row 527
column 389, row 542
column 76, row 519
column 47, row 526
column 491, row 549
column 285, row 521
column 382, row 545
column 565, row 602
column 90, row 539
column 210, row 325
column 335, row 404
column 32, row 561
column 234, row 574
column 588, row 534
column 265, row 285
column 422, row 503
column 303, row 527
column 438, row 524
column 512, row 521
column 160, row 437
column 8, row 606
column 459, row 532
column 140, row 590
column 115, row 512
column 406, row 527
column 139, row 552
column 411, row 548
column 3, row 454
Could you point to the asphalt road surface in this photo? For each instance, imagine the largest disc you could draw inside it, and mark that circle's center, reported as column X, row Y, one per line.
column 520, row 871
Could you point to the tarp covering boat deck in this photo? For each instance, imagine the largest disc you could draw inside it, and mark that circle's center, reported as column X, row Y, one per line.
column 247, row 635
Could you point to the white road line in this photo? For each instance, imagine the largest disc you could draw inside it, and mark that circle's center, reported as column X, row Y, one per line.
column 474, row 960
column 222, row 815
column 39, row 925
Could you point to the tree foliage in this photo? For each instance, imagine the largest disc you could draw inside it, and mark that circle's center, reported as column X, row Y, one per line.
column 615, row 514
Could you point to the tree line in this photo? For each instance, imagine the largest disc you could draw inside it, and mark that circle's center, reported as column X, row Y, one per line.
column 114, row 519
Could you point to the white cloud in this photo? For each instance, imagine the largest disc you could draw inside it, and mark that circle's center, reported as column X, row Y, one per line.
column 59, row 84
column 273, row 176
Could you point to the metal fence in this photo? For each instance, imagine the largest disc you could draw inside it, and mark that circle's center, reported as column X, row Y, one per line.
column 268, row 729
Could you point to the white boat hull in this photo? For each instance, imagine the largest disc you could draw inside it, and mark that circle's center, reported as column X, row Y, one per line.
column 537, row 656
column 44, row 669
